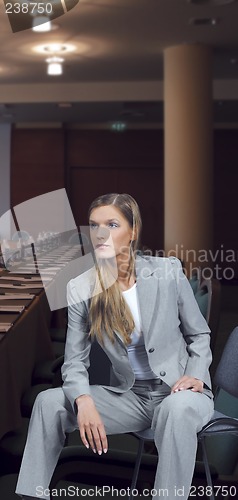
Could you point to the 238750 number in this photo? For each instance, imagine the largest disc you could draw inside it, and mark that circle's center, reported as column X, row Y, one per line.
column 28, row 8
column 224, row 491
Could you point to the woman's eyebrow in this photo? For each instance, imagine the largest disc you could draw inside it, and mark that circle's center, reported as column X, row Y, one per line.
column 108, row 220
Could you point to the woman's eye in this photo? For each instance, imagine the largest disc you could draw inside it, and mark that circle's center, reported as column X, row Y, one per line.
column 92, row 225
column 113, row 224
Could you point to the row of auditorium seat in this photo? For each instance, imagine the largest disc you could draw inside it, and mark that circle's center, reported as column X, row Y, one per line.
column 207, row 292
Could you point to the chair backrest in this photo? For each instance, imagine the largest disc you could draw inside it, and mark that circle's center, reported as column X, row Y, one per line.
column 195, row 280
column 226, row 376
column 215, row 309
column 208, row 298
column 203, row 298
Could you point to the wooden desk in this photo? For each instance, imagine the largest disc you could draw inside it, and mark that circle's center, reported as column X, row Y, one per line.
column 25, row 344
column 28, row 341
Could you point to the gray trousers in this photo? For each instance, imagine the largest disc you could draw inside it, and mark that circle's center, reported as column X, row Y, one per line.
column 176, row 419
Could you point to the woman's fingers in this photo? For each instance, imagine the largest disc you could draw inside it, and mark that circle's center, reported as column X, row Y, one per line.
column 186, row 382
column 88, row 440
column 99, row 438
column 91, row 428
column 83, row 437
column 103, row 438
column 94, row 436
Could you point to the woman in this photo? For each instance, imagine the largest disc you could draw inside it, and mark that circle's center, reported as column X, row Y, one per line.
column 143, row 313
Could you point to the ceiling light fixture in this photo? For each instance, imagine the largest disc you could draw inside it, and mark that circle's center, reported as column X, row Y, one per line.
column 54, row 65
column 54, row 48
column 54, row 51
column 41, row 24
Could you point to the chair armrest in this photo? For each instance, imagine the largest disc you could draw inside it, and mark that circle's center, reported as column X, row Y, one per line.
column 56, row 369
column 57, row 363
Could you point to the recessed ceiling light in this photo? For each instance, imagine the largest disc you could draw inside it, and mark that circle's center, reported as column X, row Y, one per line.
column 54, row 48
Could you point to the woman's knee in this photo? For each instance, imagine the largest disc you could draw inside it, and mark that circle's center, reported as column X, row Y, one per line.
column 180, row 406
column 49, row 400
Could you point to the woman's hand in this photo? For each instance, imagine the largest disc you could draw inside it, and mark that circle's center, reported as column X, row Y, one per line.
column 186, row 382
column 90, row 424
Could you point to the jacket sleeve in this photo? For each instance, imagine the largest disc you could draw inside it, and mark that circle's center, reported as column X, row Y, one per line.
column 194, row 327
column 77, row 348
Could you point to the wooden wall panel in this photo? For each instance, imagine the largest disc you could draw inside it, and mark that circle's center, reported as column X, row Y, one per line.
column 37, row 163
column 101, row 162
column 225, row 200
column 145, row 185
column 102, row 148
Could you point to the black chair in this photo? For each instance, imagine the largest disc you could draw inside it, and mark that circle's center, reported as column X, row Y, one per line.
column 195, row 280
column 214, row 308
column 99, row 369
column 208, row 297
column 226, row 378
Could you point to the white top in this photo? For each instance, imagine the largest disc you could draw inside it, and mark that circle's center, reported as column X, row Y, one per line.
column 136, row 350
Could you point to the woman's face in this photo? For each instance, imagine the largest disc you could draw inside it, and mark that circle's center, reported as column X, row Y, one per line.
column 110, row 232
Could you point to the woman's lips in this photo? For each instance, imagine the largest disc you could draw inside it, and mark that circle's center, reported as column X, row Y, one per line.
column 102, row 246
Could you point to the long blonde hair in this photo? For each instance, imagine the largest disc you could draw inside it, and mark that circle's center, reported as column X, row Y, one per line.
column 108, row 310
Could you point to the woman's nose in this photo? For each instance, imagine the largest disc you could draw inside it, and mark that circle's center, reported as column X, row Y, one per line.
column 103, row 233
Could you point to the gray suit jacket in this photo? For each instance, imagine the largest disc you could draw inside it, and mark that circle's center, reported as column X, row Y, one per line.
column 177, row 337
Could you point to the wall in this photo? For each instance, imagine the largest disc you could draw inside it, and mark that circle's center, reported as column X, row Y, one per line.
column 5, row 141
column 92, row 162
column 37, row 163
column 225, row 201
column 99, row 162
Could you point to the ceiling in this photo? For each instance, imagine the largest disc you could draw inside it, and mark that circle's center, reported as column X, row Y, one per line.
column 118, row 45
